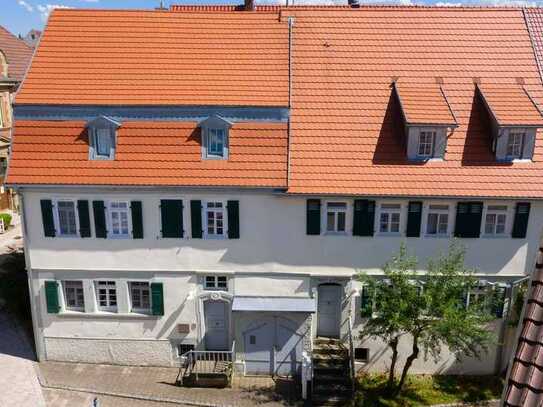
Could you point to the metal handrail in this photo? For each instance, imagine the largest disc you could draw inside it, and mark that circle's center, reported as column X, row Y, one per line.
column 204, row 362
column 351, row 354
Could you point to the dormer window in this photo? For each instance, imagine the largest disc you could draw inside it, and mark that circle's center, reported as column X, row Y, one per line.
column 515, row 144
column 427, row 140
column 214, row 132
column 102, row 138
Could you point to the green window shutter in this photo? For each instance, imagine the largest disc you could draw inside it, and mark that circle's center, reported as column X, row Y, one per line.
column 520, row 225
column 414, row 217
column 157, row 298
column 313, row 217
column 51, row 297
column 84, row 218
column 363, row 217
column 468, row 219
column 172, row 218
column 358, row 216
column 99, row 212
column 366, row 302
column 136, row 209
column 233, row 219
column 498, row 301
column 47, row 217
column 196, row 219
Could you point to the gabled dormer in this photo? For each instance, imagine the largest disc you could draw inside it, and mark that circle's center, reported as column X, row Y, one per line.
column 214, row 130
column 427, row 119
column 514, row 119
column 102, row 133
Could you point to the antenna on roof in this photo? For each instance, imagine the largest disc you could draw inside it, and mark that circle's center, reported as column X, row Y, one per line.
column 161, row 7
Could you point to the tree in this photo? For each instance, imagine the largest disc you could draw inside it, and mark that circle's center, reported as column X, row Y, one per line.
column 428, row 308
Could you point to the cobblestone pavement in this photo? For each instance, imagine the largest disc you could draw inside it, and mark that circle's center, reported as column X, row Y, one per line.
column 157, row 384
column 19, row 386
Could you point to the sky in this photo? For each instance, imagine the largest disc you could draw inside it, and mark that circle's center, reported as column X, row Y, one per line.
column 20, row 16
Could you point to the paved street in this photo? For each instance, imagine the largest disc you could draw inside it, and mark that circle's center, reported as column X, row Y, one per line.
column 19, row 385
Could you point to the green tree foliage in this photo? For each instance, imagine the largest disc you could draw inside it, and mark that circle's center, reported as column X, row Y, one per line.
column 428, row 308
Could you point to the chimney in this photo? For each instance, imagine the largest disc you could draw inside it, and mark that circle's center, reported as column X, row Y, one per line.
column 250, row 5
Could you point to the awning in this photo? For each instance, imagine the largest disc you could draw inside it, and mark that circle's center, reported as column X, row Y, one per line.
column 290, row 304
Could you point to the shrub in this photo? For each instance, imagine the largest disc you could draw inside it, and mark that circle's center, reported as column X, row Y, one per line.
column 6, row 217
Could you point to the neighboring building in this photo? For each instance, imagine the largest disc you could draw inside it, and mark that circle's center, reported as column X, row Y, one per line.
column 15, row 57
column 32, row 38
column 219, row 176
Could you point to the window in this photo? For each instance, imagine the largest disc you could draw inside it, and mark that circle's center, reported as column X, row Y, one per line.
column 73, row 295
column 216, row 143
column 216, row 283
column 335, row 217
column 119, row 219
column 66, row 218
column 389, row 218
column 214, row 219
column 361, row 354
column 140, row 296
column 183, row 348
column 438, row 220
column 106, row 292
column 495, row 220
column 515, row 144
column 102, row 140
column 426, row 143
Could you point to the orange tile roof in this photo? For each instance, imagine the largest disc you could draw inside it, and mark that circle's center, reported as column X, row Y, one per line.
column 424, row 104
column 344, row 135
column 148, row 153
column 160, row 58
column 17, row 52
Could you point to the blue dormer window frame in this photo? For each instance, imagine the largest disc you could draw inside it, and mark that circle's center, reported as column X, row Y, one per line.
column 215, row 133
column 102, row 133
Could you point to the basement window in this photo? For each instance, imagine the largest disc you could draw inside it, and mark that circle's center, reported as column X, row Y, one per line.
column 361, row 354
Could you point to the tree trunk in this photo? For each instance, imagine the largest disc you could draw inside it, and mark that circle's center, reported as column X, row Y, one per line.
column 394, row 345
column 408, row 363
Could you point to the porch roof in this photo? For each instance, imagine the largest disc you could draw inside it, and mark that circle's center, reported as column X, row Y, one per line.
column 277, row 304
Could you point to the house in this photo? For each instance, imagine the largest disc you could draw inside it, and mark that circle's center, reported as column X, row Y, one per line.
column 32, row 38
column 15, row 57
column 212, row 178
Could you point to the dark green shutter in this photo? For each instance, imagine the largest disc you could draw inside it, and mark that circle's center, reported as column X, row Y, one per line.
column 520, row 225
column 468, row 219
column 498, row 301
column 84, row 218
column 47, row 217
column 196, row 219
column 136, row 208
column 363, row 217
column 157, row 298
column 99, row 212
column 172, row 217
column 51, row 297
column 366, row 302
column 233, row 219
column 313, row 220
column 414, row 217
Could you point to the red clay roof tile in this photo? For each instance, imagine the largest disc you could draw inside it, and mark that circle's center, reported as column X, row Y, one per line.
column 17, row 52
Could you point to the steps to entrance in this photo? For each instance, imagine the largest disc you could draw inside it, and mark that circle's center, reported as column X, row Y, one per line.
column 332, row 385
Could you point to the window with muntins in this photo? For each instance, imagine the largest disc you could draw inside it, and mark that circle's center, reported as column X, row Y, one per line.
column 426, row 143
column 66, row 218
column 216, row 283
column 106, row 292
column 438, row 220
column 336, row 213
column 140, row 296
column 515, row 144
column 496, row 220
column 119, row 219
column 389, row 218
column 73, row 295
column 215, row 143
column 214, row 217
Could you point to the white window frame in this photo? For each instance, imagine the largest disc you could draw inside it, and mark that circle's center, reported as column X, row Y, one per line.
column 516, row 132
column 214, row 286
column 56, row 218
column 441, row 211
column 205, row 210
column 382, row 210
column 490, row 208
column 207, row 139
column 433, row 133
column 324, row 220
column 94, row 137
column 109, row 214
column 140, row 310
column 109, row 307
column 65, row 284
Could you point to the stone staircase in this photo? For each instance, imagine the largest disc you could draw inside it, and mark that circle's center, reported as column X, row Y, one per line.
column 332, row 385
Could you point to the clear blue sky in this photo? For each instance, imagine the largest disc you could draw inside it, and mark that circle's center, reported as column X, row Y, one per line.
column 19, row 16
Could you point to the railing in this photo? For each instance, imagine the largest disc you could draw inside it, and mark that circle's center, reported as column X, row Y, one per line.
column 206, row 362
column 307, row 373
column 351, row 354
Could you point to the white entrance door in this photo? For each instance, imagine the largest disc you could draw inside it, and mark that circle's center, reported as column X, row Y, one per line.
column 329, row 310
column 216, row 325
